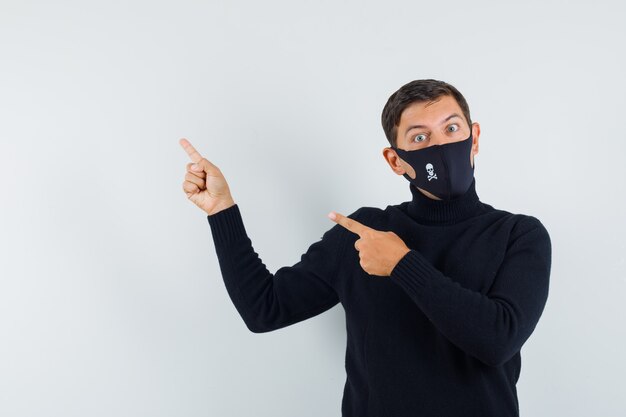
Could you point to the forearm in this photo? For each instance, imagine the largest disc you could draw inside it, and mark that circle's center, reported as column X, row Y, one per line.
column 490, row 328
column 269, row 301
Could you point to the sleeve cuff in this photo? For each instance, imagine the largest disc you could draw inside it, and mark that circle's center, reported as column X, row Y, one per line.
column 227, row 225
column 413, row 272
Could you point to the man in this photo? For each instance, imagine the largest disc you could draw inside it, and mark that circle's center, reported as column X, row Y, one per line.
column 440, row 292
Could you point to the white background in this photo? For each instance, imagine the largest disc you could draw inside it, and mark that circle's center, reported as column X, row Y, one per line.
column 111, row 298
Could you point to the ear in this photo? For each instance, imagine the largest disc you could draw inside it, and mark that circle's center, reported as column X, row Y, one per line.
column 398, row 166
column 393, row 160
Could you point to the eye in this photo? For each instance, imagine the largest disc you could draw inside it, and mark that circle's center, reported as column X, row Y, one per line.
column 455, row 130
column 418, row 136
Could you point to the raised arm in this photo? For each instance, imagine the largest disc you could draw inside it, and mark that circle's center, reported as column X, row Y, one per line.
column 292, row 294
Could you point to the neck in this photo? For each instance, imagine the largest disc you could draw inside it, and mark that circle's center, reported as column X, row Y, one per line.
column 425, row 209
column 427, row 194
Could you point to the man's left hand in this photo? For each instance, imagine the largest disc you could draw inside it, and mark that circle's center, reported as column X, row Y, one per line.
column 379, row 251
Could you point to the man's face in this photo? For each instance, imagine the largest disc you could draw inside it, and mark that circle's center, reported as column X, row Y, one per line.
column 424, row 124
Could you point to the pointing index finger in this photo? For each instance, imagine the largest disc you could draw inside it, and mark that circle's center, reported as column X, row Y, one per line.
column 191, row 151
column 350, row 224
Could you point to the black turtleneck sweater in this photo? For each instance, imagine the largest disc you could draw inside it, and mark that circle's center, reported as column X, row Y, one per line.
column 441, row 336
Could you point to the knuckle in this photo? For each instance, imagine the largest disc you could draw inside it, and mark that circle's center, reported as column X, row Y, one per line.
column 189, row 186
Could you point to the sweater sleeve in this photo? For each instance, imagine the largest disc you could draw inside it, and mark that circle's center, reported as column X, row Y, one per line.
column 292, row 294
column 492, row 327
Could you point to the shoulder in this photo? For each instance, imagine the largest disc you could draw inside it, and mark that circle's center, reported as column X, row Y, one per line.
column 526, row 223
column 519, row 223
column 530, row 233
column 526, row 234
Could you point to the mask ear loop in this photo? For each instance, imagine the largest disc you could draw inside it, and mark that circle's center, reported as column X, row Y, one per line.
column 399, row 152
column 471, row 139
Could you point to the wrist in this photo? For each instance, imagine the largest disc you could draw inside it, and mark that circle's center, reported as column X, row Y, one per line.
column 222, row 206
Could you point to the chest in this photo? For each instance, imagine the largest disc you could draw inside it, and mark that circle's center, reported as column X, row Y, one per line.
column 470, row 255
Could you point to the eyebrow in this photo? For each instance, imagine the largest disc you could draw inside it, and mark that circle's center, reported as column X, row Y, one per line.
column 442, row 122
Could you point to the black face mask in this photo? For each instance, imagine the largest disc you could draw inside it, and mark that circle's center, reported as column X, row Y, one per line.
column 443, row 170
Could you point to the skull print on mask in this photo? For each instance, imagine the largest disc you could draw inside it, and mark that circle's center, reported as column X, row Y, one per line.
column 431, row 172
column 449, row 172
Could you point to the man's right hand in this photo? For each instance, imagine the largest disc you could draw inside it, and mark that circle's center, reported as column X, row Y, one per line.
column 205, row 185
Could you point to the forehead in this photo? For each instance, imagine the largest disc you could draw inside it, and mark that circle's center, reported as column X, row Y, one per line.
column 429, row 113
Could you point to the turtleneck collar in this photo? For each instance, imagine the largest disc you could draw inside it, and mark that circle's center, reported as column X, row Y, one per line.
column 427, row 210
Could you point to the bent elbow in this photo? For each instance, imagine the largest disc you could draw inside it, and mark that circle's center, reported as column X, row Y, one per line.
column 496, row 360
column 496, row 355
column 255, row 327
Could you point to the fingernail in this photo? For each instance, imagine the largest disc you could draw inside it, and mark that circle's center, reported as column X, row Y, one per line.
column 332, row 215
column 194, row 167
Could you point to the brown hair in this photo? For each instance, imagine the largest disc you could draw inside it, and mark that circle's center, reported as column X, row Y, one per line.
column 416, row 91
